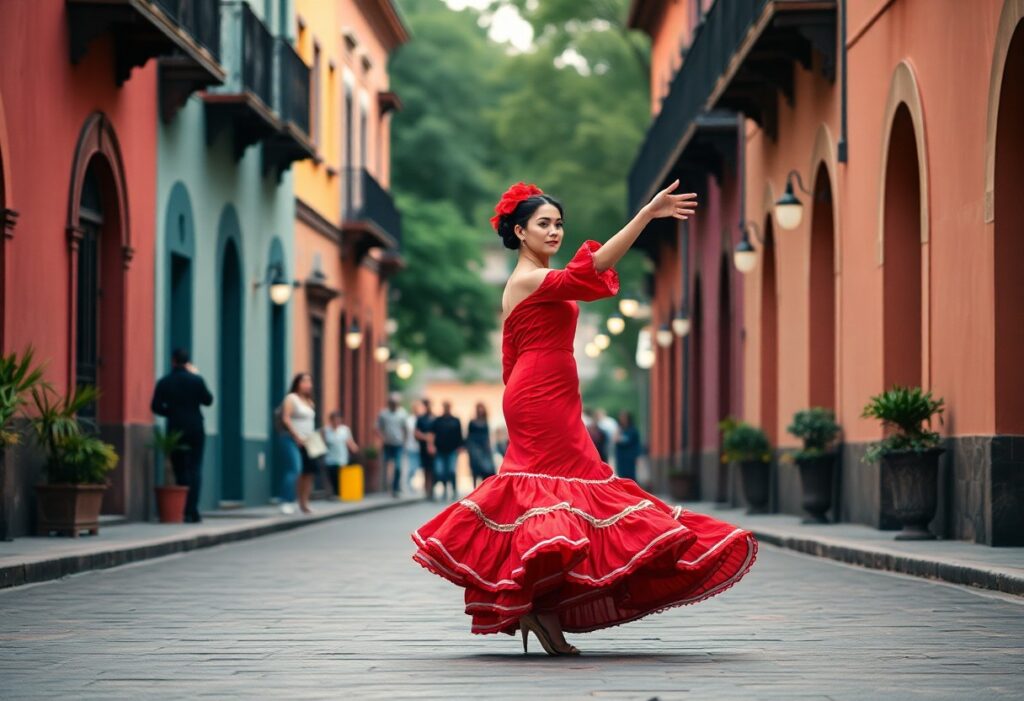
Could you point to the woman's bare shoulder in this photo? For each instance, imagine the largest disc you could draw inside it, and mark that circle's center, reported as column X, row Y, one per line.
column 521, row 285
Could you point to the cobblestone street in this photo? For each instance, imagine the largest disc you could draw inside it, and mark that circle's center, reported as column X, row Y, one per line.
column 339, row 610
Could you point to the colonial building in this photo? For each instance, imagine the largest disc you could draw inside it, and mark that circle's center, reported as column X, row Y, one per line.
column 227, row 138
column 78, row 123
column 347, row 228
column 902, row 264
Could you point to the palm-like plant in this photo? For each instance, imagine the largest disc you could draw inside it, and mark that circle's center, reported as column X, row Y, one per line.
column 59, row 432
column 165, row 443
column 817, row 428
column 908, row 413
column 19, row 375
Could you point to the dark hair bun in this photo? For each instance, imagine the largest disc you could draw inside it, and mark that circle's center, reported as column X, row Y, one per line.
column 507, row 232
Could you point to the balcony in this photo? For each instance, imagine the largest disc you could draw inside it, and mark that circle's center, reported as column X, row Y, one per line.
column 245, row 101
column 180, row 76
column 742, row 58
column 187, row 30
column 370, row 218
column 292, row 142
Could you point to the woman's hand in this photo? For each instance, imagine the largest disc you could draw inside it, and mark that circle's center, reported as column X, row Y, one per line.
column 666, row 204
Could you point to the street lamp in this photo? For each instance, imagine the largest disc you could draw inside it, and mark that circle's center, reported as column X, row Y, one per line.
column 381, row 353
column 629, row 306
column 354, row 336
column 592, row 350
column 680, row 323
column 744, row 256
column 279, row 287
column 664, row 336
column 616, row 324
column 644, row 351
column 789, row 210
column 404, row 369
column 602, row 341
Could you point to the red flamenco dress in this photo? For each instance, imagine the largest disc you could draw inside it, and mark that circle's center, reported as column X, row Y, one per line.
column 556, row 529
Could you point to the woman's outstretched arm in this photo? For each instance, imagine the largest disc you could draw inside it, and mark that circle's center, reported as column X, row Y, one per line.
column 664, row 204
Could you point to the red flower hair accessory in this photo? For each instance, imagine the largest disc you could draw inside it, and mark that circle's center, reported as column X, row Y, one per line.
column 511, row 199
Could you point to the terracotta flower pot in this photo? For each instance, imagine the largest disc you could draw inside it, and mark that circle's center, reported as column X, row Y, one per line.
column 680, row 486
column 913, row 486
column 756, row 485
column 816, row 484
column 68, row 509
column 170, row 503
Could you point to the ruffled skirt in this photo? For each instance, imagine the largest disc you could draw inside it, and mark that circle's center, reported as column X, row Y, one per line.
column 599, row 552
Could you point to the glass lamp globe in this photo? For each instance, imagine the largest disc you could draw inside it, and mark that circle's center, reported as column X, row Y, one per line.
column 629, row 306
column 664, row 337
column 744, row 257
column 280, row 292
column 789, row 211
column 354, row 337
column 602, row 340
column 381, row 353
column 404, row 369
column 680, row 325
column 616, row 324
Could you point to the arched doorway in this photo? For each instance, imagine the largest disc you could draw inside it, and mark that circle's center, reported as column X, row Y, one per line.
column 229, row 396
column 822, row 332
column 725, row 360
column 179, row 237
column 901, row 274
column 769, row 337
column 99, row 241
column 1009, row 240
column 278, row 377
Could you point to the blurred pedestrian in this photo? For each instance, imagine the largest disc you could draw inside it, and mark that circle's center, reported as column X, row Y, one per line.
column 596, row 435
column 425, row 437
column 391, row 430
column 478, row 444
column 501, row 440
column 627, row 446
column 178, row 396
column 340, row 447
column 611, row 431
column 412, row 446
column 448, row 441
column 300, row 444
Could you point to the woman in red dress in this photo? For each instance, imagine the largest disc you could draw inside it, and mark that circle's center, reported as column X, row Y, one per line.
column 556, row 542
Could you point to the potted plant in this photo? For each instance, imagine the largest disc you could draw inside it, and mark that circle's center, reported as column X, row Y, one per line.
column 817, row 428
column 909, row 456
column 77, row 463
column 748, row 445
column 680, row 480
column 18, row 376
column 170, row 498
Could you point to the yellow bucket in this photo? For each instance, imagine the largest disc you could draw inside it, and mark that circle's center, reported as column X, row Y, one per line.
column 350, row 485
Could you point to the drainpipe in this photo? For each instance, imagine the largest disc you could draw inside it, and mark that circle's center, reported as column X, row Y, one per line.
column 842, row 148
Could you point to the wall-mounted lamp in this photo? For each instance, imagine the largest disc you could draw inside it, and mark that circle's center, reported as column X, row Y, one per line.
column 629, row 306
column 744, row 256
column 616, row 324
column 354, row 335
column 789, row 210
column 404, row 369
column 280, row 287
column 602, row 341
column 644, row 352
column 664, row 337
column 681, row 323
column 382, row 353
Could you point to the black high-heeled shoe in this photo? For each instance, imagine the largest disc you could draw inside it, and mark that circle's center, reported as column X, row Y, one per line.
column 530, row 623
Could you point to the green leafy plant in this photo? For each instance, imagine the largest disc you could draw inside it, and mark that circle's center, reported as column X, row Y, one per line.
column 743, row 442
column 163, row 444
column 19, row 375
column 370, row 452
column 72, row 455
column 907, row 412
column 817, row 428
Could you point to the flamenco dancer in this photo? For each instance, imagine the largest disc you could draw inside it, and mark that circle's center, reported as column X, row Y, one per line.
column 556, row 542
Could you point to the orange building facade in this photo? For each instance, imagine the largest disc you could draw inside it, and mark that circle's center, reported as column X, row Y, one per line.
column 904, row 120
column 347, row 228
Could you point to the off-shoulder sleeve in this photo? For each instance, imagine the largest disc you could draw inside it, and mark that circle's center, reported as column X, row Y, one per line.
column 580, row 279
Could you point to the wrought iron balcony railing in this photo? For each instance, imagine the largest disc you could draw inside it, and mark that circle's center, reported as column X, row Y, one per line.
column 293, row 87
column 369, row 206
column 200, row 18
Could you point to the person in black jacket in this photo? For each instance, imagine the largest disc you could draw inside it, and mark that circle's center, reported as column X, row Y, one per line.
column 178, row 396
column 448, row 441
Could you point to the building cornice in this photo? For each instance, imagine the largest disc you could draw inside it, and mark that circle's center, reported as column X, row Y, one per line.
column 316, row 221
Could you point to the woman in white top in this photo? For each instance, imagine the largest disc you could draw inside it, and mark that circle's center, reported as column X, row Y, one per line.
column 340, row 446
column 298, row 419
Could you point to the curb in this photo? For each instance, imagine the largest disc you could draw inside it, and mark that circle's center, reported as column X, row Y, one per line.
column 900, row 563
column 47, row 570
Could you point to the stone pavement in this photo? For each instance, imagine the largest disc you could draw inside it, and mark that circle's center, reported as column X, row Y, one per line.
column 953, row 561
column 37, row 559
column 340, row 611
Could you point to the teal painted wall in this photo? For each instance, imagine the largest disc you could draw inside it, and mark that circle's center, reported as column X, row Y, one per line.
column 201, row 186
